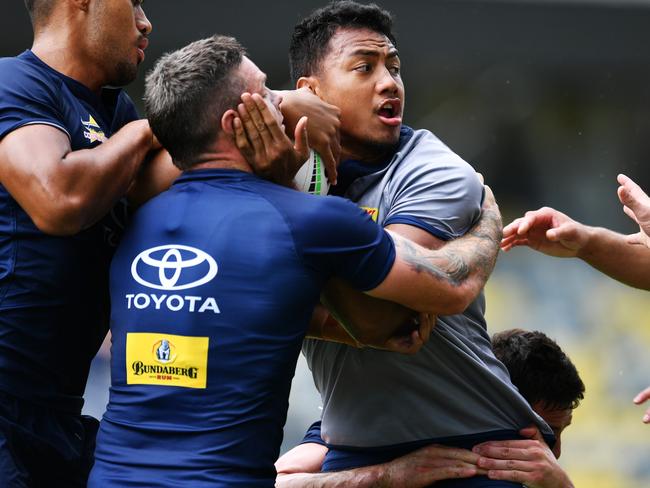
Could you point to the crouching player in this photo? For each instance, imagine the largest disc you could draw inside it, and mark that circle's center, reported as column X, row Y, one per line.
column 546, row 378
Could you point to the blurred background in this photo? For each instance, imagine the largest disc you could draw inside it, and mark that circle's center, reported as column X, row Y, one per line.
column 549, row 99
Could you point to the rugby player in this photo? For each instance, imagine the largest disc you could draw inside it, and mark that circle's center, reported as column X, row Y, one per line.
column 547, row 379
column 626, row 258
column 214, row 283
column 69, row 150
column 379, row 406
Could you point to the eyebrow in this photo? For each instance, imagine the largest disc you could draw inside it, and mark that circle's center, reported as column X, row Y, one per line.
column 393, row 53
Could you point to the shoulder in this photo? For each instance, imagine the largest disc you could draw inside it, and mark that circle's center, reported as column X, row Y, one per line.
column 18, row 74
column 425, row 160
column 307, row 211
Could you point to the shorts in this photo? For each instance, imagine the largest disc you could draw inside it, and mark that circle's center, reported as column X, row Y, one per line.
column 42, row 448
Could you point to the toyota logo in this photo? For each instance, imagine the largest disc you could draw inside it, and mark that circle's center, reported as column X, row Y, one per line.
column 173, row 267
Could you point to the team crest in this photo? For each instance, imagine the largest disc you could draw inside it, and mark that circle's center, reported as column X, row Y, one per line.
column 93, row 132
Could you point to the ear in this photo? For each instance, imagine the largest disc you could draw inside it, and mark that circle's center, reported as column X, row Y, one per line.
column 310, row 82
column 226, row 121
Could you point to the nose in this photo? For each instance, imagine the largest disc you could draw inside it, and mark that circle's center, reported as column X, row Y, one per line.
column 142, row 22
column 387, row 83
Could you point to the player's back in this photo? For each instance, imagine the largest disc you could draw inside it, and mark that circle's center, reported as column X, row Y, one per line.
column 212, row 290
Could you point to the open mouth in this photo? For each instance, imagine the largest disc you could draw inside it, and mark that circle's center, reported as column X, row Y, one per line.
column 390, row 112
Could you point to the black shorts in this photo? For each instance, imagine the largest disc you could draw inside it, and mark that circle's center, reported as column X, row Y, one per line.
column 40, row 447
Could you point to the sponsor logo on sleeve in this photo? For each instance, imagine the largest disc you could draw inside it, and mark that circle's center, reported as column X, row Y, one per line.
column 166, row 359
column 93, row 132
column 171, row 269
column 373, row 212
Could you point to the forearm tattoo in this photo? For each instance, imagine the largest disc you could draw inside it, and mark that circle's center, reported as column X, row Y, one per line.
column 472, row 256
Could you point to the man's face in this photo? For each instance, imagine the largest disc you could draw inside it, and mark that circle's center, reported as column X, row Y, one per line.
column 256, row 83
column 361, row 75
column 557, row 419
column 118, row 36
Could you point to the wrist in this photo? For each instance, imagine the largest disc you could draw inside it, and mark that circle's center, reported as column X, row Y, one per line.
column 589, row 242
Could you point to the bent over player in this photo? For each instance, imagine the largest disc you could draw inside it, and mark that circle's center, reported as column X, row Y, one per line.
column 213, row 286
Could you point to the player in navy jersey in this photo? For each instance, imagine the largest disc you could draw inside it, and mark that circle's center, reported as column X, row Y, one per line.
column 214, row 283
column 69, row 149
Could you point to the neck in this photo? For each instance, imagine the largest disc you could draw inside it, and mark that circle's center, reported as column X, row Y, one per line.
column 364, row 152
column 58, row 47
column 221, row 159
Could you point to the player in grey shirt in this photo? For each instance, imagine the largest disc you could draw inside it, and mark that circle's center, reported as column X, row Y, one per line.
column 379, row 405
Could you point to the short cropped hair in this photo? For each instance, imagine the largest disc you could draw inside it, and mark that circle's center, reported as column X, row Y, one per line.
column 39, row 10
column 539, row 368
column 187, row 93
column 311, row 36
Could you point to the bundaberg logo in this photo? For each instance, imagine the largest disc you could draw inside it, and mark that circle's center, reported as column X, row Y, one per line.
column 167, row 360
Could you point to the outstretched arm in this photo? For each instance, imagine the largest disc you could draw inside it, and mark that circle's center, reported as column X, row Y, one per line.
column 299, row 469
column 551, row 232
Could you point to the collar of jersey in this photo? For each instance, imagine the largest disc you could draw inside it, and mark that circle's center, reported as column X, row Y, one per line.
column 108, row 95
column 214, row 173
column 351, row 169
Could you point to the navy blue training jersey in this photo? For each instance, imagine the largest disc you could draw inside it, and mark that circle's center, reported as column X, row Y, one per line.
column 212, row 289
column 53, row 290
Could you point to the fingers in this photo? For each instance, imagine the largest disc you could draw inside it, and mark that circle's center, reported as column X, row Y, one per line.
column 532, row 432
column 435, row 451
column 270, row 118
column 642, row 397
column 252, row 131
column 409, row 344
column 241, row 141
column 301, row 145
column 630, row 193
column 427, row 322
column 480, row 178
column 331, row 160
column 630, row 213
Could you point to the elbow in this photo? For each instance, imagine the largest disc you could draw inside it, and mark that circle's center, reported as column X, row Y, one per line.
column 61, row 218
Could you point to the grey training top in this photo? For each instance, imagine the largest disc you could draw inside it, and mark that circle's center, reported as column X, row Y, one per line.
column 454, row 386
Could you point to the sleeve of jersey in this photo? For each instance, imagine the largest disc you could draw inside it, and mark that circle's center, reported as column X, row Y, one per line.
column 27, row 99
column 312, row 436
column 340, row 239
column 439, row 193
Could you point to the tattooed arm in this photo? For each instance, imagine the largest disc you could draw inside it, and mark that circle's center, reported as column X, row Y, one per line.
column 428, row 275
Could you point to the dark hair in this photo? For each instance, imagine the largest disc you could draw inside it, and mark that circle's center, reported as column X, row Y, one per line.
column 539, row 368
column 39, row 10
column 187, row 93
column 311, row 36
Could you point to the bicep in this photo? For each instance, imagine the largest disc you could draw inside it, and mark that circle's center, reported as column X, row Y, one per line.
column 424, row 280
column 30, row 159
column 417, row 235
